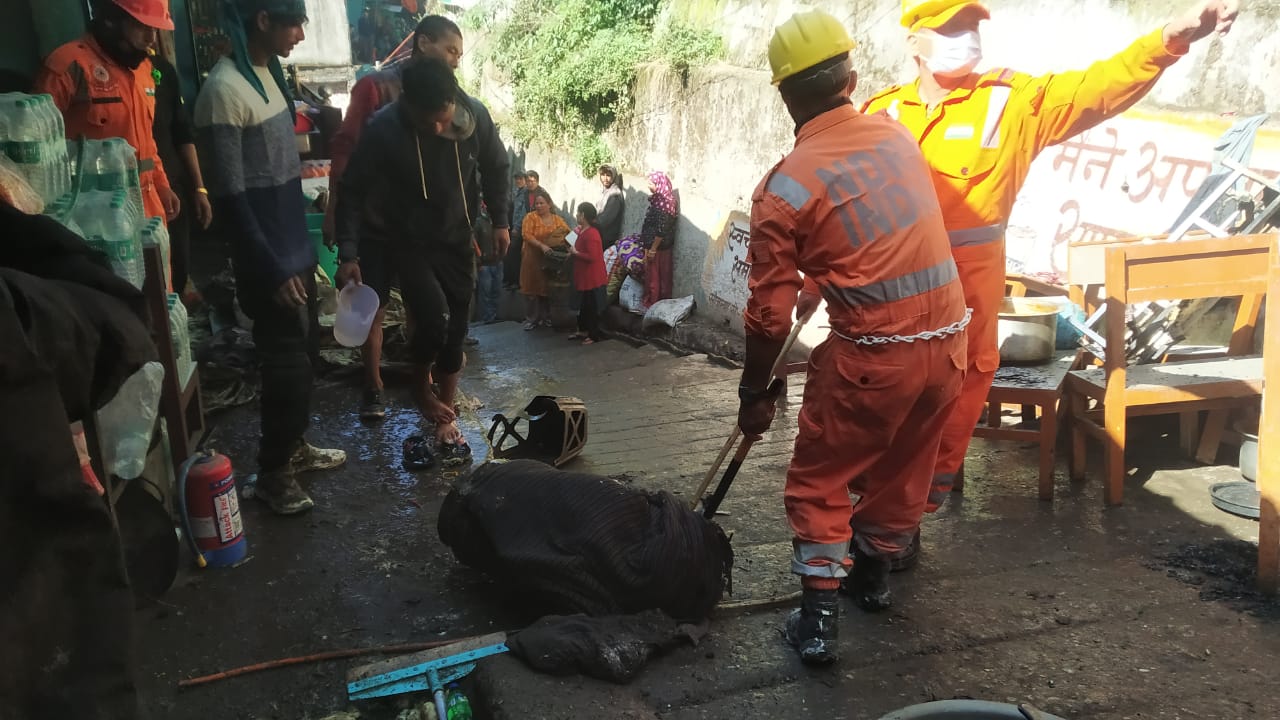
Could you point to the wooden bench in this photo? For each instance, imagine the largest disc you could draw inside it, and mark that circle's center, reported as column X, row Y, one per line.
column 1034, row 388
column 1189, row 269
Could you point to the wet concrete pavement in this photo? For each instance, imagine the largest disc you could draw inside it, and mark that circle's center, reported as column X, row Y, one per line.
column 1064, row 604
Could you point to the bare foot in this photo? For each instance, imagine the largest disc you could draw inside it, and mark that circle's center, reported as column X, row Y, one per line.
column 437, row 412
column 449, row 433
column 432, row 409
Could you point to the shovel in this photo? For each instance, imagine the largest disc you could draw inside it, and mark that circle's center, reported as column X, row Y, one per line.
column 775, row 389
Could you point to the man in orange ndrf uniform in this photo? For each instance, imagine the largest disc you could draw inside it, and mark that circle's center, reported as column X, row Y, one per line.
column 104, row 87
column 852, row 208
column 980, row 132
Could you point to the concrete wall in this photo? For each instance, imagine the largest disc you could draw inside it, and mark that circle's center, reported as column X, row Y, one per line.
column 720, row 131
column 328, row 40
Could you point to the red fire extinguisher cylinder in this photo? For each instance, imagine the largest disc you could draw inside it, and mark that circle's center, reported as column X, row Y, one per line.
column 211, row 511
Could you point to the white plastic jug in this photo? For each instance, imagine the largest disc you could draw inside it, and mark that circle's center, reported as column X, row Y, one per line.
column 357, row 304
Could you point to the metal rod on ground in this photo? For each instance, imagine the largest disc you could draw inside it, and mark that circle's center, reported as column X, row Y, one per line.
column 320, row 657
column 739, row 607
column 746, row 607
column 741, row 455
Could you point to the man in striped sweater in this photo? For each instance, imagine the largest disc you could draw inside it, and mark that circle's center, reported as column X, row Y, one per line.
column 245, row 118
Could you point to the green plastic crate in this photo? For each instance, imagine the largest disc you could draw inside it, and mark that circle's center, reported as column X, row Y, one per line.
column 328, row 258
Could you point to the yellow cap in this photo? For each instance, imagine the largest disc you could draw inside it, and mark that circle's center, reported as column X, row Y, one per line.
column 932, row 14
column 805, row 40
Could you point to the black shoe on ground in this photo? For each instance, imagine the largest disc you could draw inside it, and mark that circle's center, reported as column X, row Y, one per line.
column 868, row 583
column 454, row 454
column 417, row 453
column 813, row 630
column 280, row 491
column 371, row 407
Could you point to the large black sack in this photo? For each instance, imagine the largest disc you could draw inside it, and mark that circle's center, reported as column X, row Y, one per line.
column 565, row 542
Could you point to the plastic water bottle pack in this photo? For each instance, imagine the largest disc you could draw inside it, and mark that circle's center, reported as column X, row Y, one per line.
column 102, row 202
column 181, row 338
column 34, row 137
column 104, row 206
column 155, row 233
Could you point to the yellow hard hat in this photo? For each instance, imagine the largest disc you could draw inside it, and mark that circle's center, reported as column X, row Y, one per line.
column 805, row 40
column 931, row 14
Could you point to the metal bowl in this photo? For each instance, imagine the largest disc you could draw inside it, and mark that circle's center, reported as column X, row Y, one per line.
column 1027, row 330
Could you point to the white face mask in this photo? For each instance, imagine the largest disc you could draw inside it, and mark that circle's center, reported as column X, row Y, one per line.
column 954, row 55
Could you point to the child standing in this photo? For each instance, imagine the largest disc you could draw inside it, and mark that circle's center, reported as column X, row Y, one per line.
column 589, row 277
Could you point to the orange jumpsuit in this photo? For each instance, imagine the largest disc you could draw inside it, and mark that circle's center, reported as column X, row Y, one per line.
column 980, row 142
column 852, row 208
column 99, row 99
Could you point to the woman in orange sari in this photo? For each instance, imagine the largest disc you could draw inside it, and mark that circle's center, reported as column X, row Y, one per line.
column 542, row 230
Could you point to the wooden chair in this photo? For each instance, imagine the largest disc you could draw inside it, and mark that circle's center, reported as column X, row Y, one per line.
column 1189, row 269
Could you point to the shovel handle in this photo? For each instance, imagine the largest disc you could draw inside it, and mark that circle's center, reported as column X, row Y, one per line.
column 778, row 364
column 715, row 467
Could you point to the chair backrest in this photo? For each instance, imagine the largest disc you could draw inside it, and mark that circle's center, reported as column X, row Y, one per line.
column 1184, row 270
column 1189, row 270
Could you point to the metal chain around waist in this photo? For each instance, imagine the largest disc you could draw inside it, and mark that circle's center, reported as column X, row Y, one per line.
column 951, row 329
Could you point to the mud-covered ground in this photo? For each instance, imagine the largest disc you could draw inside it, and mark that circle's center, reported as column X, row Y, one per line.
column 1143, row 611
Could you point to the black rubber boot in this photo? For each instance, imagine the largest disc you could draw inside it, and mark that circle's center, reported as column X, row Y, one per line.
column 904, row 562
column 813, row 630
column 868, row 584
column 907, row 560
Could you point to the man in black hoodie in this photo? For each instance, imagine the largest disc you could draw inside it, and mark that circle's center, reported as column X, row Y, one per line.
column 406, row 206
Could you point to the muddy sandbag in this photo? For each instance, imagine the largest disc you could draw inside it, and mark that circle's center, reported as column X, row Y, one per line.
column 614, row 648
column 566, row 542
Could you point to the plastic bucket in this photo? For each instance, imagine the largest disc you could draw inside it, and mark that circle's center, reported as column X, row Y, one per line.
column 1249, row 456
column 357, row 304
column 328, row 257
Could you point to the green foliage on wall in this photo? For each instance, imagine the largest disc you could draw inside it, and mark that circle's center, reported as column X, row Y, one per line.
column 573, row 63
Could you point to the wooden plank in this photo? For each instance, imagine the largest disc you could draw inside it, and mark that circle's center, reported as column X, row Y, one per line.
column 1195, row 277
column 1036, row 286
column 1226, row 394
column 1086, row 260
column 1190, row 374
column 1048, row 445
column 1033, row 378
column 1188, row 426
column 1269, row 440
column 1114, row 397
column 1220, row 267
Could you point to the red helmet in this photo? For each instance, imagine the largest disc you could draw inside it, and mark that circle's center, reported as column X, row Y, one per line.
column 152, row 13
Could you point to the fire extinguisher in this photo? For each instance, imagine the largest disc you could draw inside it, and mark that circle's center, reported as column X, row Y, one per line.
column 211, row 510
